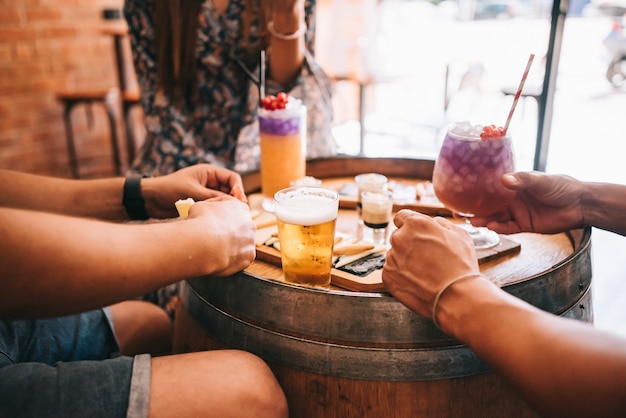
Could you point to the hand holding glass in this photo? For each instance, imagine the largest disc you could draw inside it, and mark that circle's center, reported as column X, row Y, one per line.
column 467, row 177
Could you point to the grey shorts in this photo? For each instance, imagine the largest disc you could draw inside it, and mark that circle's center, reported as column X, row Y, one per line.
column 70, row 367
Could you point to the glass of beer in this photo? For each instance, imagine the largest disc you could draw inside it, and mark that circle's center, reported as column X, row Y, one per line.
column 283, row 145
column 306, row 217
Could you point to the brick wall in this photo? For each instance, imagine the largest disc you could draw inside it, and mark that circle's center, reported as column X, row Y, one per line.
column 48, row 46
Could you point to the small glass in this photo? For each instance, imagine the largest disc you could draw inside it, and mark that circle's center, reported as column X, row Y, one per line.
column 376, row 212
column 369, row 182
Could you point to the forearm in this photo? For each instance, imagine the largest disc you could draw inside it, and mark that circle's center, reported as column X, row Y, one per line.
column 286, row 56
column 604, row 207
column 562, row 367
column 55, row 265
column 101, row 198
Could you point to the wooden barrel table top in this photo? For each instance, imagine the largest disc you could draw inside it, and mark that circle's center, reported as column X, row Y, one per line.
column 538, row 253
column 368, row 341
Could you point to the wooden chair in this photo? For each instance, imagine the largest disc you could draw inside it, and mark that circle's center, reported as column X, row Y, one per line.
column 71, row 99
column 129, row 98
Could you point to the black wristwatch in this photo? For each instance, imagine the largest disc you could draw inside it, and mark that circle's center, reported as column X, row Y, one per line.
column 133, row 200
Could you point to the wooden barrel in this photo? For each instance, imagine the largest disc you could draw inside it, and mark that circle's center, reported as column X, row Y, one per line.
column 340, row 353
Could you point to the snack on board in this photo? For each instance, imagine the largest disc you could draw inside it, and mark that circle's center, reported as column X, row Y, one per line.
column 183, row 205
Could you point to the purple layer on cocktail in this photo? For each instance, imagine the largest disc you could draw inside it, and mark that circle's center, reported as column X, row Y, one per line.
column 468, row 171
column 280, row 122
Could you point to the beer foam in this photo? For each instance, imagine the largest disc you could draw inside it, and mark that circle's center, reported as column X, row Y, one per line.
column 306, row 206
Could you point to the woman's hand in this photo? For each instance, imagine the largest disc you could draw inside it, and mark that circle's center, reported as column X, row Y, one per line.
column 288, row 7
column 199, row 182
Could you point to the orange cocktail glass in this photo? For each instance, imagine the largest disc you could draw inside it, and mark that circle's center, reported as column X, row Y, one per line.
column 283, row 146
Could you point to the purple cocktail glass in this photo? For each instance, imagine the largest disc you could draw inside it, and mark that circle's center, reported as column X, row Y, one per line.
column 467, row 177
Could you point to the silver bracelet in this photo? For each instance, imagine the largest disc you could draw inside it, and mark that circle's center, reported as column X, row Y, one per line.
column 444, row 288
column 289, row 36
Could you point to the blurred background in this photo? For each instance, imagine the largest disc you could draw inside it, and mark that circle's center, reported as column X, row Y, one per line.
column 403, row 69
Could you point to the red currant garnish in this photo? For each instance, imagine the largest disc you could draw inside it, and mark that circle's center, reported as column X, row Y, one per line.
column 266, row 102
column 492, row 132
column 271, row 102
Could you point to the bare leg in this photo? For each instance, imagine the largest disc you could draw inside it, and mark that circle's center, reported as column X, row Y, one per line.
column 142, row 327
column 223, row 383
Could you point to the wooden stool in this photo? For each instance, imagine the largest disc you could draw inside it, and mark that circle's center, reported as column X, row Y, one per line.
column 88, row 98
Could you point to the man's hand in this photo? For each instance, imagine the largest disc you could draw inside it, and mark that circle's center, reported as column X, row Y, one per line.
column 543, row 203
column 225, row 226
column 426, row 254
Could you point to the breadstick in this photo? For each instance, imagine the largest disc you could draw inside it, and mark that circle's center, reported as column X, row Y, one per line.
column 352, row 249
column 266, row 223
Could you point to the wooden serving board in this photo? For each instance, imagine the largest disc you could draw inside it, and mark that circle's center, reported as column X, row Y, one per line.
column 373, row 282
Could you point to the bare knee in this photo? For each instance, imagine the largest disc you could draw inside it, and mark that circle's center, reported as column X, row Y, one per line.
column 263, row 389
column 142, row 327
column 224, row 383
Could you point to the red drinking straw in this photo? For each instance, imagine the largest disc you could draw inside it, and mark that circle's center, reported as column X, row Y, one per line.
column 519, row 92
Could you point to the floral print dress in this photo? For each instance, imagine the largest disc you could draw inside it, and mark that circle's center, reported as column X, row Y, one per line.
column 221, row 128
